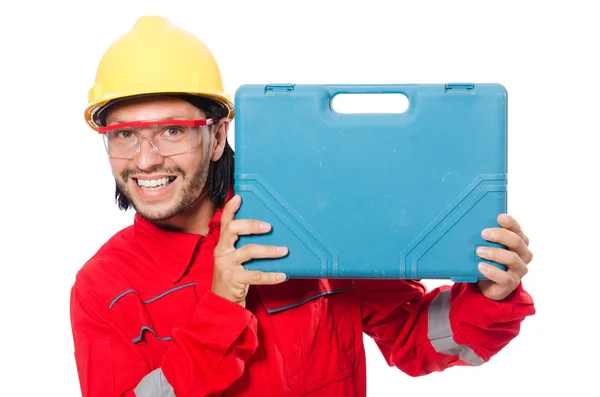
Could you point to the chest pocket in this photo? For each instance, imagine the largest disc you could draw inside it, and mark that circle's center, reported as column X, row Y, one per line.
column 148, row 323
column 313, row 322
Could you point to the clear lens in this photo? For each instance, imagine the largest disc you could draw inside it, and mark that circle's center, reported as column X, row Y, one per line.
column 166, row 139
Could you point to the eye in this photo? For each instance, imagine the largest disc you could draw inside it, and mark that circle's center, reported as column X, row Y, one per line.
column 173, row 132
column 124, row 134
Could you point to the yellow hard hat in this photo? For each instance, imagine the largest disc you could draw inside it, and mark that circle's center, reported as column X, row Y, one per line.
column 155, row 57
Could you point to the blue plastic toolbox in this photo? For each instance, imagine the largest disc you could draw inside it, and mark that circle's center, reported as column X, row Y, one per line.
column 372, row 195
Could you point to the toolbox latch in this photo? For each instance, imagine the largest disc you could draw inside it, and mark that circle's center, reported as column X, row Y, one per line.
column 279, row 87
column 460, row 87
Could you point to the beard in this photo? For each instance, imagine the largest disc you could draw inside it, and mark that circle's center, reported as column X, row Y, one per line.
column 193, row 191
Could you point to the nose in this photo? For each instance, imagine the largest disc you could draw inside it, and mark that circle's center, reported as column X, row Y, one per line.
column 147, row 157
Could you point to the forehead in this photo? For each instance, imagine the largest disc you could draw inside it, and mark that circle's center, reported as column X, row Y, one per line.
column 152, row 108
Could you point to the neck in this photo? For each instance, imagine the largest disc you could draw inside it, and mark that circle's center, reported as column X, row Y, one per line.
column 193, row 220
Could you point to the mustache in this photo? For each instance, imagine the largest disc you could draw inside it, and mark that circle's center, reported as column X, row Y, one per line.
column 136, row 171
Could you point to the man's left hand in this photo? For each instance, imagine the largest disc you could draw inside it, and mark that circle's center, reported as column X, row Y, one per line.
column 516, row 257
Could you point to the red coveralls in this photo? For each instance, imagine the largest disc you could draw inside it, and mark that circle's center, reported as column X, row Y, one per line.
column 145, row 323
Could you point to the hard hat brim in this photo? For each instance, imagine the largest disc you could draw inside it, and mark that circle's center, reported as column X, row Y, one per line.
column 93, row 110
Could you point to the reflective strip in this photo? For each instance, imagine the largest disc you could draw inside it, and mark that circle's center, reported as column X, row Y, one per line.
column 154, row 385
column 286, row 307
column 168, row 292
column 440, row 333
column 146, row 328
column 151, row 299
column 119, row 297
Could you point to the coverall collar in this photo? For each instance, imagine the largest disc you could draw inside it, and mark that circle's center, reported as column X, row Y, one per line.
column 172, row 251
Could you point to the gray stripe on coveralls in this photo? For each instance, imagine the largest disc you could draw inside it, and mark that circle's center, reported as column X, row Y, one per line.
column 440, row 332
column 282, row 308
column 119, row 297
column 151, row 299
column 146, row 328
column 154, row 385
column 168, row 292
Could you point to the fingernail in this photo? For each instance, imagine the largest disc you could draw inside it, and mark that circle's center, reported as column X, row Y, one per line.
column 484, row 267
column 236, row 198
column 281, row 277
column 264, row 225
column 486, row 233
column 482, row 251
column 504, row 218
column 282, row 250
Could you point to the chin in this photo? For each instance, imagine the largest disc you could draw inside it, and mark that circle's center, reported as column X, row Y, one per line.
column 155, row 213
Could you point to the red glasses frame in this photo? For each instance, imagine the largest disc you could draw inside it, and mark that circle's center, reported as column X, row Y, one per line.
column 148, row 123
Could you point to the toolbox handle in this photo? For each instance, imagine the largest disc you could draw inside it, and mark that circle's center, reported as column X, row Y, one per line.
column 405, row 89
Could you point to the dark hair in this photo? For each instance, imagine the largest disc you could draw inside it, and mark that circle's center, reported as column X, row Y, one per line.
column 220, row 173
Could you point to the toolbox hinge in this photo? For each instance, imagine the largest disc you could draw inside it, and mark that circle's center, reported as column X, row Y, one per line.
column 279, row 87
column 460, row 87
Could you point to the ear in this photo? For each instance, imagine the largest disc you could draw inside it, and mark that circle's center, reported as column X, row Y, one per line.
column 218, row 144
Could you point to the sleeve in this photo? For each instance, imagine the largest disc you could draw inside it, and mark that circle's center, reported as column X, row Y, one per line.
column 204, row 358
column 422, row 332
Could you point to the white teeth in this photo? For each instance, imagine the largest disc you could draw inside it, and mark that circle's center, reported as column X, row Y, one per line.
column 151, row 183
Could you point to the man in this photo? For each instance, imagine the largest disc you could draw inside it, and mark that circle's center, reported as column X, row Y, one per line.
column 166, row 308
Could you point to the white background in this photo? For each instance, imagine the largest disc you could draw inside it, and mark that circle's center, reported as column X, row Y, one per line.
column 57, row 195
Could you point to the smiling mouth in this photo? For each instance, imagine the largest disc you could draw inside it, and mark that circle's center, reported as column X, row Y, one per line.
column 154, row 184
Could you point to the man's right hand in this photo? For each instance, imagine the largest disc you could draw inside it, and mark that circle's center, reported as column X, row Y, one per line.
column 230, row 279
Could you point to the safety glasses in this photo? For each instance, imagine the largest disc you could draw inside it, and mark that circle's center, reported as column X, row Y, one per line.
column 166, row 137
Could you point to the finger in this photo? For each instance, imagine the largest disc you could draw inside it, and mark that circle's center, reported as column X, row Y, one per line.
column 510, row 259
column 225, row 245
column 255, row 277
column 511, row 224
column 506, row 280
column 231, row 207
column 238, row 292
column 509, row 239
column 238, row 227
column 255, row 251
column 247, row 226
